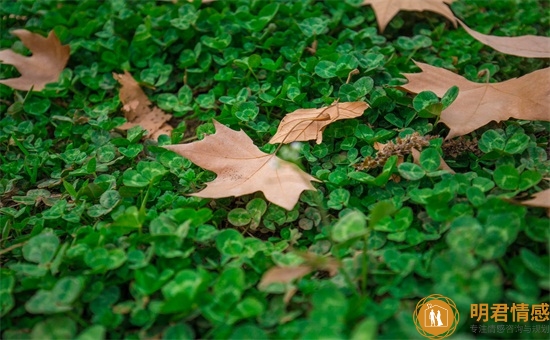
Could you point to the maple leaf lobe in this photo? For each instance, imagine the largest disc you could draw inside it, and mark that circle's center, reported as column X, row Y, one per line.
column 309, row 124
column 386, row 9
column 477, row 104
column 243, row 169
column 44, row 66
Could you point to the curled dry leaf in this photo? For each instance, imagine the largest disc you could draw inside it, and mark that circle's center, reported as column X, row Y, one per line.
column 138, row 109
column 242, row 168
column 309, row 124
column 478, row 104
column 385, row 10
column 540, row 200
column 283, row 275
column 530, row 46
column 45, row 65
column 288, row 274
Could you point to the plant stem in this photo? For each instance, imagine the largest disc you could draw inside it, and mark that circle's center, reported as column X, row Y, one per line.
column 364, row 267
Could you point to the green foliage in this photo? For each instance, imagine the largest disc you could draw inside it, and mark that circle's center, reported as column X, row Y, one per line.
column 100, row 238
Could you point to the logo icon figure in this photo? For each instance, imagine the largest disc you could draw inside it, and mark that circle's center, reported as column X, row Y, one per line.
column 436, row 317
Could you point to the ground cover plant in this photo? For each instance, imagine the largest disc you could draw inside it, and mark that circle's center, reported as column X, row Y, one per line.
column 252, row 169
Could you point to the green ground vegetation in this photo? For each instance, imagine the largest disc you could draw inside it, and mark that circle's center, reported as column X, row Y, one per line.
column 100, row 240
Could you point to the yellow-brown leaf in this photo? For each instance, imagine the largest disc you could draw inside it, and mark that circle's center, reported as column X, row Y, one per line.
column 530, row 46
column 138, row 110
column 385, row 10
column 308, row 124
column 242, row 168
column 478, row 104
column 45, row 65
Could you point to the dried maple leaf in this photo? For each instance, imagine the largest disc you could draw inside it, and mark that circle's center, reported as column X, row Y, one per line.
column 540, row 200
column 386, row 9
column 45, row 65
column 242, row 168
column 284, row 275
column 477, row 104
column 308, row 124
column 137, row 108
column 530, row 46
column 288, row 274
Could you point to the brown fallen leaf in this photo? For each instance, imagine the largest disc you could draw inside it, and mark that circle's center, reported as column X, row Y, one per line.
column 478, row 104
column 242, row 168
column 530, row 46
column 45, row 65
column 540, row 199
column 137, row 108
column 283, row 275
column 288, row 274
column 385, row 10
column 308, row 124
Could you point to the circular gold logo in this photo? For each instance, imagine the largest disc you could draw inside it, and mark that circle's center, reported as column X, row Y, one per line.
column 436, row 317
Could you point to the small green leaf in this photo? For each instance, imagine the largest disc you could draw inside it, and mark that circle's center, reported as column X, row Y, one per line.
column 411, row 171
column 326, row 69
column 41, row 248
column 424, row 99
column 313, row 26
column 506, row 177
column 37, row 106
column 57, row 327
column 449, row 96
column 491, row 140
column 239, row 217
column 352, row 225
column 247, row 111
column 517, row 143
column 430, row 159
column 230, row 242
column 528, row 179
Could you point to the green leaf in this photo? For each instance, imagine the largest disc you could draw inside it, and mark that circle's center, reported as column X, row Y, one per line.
column 239, row 217
column 230, row 242
column 424, row 99
column 37, row 106
column 528, row 179
column 517, row 143
column 313, row 26
column 326, row 69
column 350, row 226
column 6, row 287
column 109, row 199
column 449, row 96
column 483, row 184
column 491, row 140
column 41, row 248
column 59, row 299
column 338, row 198
column 58, row 327
column 219, row 42
column 464, row 235
column 179, row 331
column 92, row 333
column 430, row 159
column 411, row 171
column 506, row 177
column 247, row 111
column 249, row 307
column 535, row 263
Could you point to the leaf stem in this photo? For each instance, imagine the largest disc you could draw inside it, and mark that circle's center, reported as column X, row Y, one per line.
column 364, row 267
